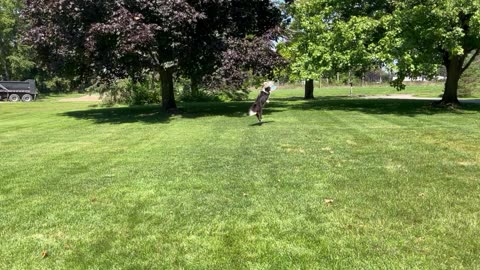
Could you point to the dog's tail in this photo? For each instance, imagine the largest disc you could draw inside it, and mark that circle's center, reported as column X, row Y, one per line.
column 250, row 113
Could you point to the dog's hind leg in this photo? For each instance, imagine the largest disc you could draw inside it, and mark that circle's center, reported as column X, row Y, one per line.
column 259, row 114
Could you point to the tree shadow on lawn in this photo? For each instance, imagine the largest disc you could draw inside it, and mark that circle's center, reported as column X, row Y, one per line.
column 153, row 114
column 401, row 107
column 147, row 114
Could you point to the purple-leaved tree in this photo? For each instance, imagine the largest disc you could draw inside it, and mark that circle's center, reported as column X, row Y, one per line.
column 111, row 39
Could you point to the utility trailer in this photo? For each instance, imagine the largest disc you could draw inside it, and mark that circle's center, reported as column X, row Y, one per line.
column 16, row 91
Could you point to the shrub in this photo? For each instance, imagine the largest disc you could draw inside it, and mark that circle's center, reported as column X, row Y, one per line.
column 56, row 85
column 125, row 91
column 202, row 96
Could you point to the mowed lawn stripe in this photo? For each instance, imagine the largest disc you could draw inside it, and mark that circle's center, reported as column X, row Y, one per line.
column 333, row 183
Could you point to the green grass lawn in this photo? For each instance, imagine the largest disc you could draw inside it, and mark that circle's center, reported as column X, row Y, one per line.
column 133, row 188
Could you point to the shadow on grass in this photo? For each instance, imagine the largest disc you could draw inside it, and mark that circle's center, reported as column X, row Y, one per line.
column 403, row 107
column 153, row 113
column 147, row 114
column 261, row 123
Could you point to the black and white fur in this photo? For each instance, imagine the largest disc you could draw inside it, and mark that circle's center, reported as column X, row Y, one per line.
column 257, row 107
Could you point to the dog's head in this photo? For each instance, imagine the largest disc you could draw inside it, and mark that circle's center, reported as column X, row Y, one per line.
column 269, row 86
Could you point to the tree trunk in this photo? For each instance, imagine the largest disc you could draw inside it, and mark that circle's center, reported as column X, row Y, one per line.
column 194, row 86
column 350, row 82
column 454, row 71
column 309, row 89
column 168, row 97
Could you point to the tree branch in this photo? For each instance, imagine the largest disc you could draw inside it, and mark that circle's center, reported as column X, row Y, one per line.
column 470, row 61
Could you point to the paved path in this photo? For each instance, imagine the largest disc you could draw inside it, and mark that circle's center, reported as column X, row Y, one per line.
column 410, row 97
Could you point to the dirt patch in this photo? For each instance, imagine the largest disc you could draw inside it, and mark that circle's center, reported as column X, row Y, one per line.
column 83, row 98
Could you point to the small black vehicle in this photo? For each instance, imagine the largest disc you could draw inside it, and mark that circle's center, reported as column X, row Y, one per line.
column 18, row 91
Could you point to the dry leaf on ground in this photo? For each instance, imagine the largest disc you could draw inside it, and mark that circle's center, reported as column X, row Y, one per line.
column 328, row 201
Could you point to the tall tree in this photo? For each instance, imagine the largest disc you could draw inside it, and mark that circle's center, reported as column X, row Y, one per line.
column 14, row 56
column 412, row 37
column 126, row 38
column 316, row 45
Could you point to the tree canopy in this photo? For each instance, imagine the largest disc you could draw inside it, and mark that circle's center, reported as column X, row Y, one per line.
column 411, row 37
column 125, row 38
column 14, row 56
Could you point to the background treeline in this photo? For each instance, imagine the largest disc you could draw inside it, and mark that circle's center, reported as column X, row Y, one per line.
column 19, row 61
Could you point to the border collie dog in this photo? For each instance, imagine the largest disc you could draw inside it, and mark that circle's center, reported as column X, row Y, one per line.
column 262, row 99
